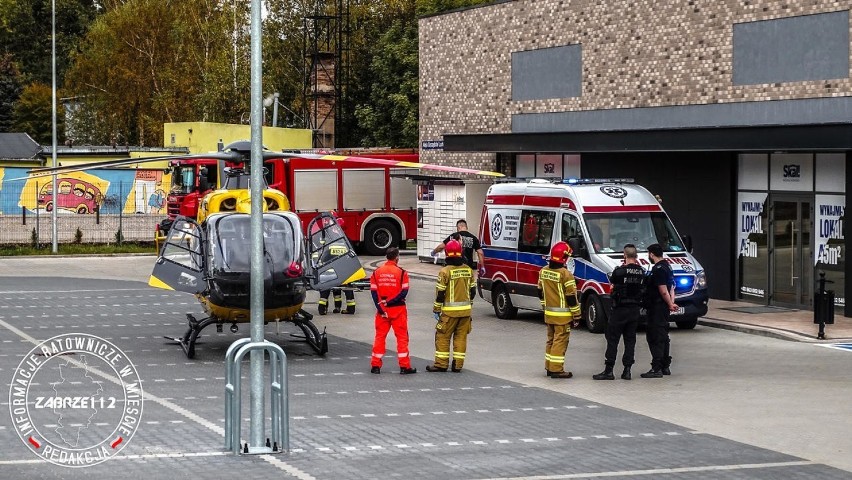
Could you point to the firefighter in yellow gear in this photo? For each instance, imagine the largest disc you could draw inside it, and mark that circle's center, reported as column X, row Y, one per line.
column 337, row 294
column 557, row 291
column 452, row 307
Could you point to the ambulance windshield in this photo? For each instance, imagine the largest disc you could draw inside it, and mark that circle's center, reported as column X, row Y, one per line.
column 609, row 232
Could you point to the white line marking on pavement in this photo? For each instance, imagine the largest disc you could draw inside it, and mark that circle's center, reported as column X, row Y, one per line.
column 69, row 291
column 171, row 406
column 663, row 471
column 287, row 468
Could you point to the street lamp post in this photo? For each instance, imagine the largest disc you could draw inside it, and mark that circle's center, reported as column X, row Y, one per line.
column 275, row 109
column 55, row 244
column 256, row 361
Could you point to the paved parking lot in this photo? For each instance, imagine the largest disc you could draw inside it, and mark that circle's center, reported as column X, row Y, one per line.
column 345, row 422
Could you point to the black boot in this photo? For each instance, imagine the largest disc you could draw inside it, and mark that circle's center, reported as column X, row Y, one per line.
column 652, row 374
column 625, row 375
column 323, row 308
column 605, row 375
column 666, row 371
column 407, row 371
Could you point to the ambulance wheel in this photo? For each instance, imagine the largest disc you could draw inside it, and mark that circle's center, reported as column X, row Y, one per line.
column 688, row 324
column 503, row 307
column 593, row 312
column 380, row 235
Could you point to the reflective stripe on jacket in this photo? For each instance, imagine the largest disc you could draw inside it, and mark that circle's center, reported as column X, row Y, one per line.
column 558, row 295
column 455, row 282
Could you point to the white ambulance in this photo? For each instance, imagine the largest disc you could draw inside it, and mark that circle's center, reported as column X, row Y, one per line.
column 597, row 217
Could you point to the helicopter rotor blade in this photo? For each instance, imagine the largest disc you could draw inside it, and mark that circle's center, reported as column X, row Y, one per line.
column 47, row 171
column 388, row 162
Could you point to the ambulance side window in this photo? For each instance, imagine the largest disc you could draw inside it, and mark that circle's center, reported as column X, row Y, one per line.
column 570, row 227
column 536, row 231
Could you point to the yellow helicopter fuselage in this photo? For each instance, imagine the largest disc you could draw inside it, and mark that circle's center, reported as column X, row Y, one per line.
column 239, row 201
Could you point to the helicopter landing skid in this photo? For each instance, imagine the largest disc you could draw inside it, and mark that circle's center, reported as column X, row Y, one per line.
column 312, row 336
column 187, row 342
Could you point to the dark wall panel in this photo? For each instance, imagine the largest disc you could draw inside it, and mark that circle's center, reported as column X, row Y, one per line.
column 697, row 191
column 792, row 49
column 547, row 73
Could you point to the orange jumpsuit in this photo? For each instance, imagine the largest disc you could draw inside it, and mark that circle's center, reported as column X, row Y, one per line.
column 389, row 287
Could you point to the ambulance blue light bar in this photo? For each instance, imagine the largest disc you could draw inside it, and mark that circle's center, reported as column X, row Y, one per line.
column 589, row 181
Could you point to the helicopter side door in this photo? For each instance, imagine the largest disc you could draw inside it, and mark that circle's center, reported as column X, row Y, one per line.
column 332, row 259
column 180, row 265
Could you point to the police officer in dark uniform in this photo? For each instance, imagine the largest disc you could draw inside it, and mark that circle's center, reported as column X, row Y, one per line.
column 627, row 282
column 661, row 299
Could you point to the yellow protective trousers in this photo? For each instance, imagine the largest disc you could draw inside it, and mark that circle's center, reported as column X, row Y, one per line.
column 557, row 344
column 447, row 329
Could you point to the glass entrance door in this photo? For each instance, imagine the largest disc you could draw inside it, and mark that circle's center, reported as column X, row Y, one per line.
column 790, row 258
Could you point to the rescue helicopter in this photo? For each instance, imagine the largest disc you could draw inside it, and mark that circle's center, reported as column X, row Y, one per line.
column 209, row 257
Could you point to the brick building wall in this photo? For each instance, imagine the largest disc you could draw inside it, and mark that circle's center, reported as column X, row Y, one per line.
column 635, row 54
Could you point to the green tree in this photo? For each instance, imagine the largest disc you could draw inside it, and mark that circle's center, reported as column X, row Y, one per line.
column 146, row 63
column 390, row 117
column 10, row 90
column 33, row 114
column 25, row 32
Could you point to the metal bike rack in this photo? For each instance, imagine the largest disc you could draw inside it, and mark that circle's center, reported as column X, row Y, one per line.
column 280, row 404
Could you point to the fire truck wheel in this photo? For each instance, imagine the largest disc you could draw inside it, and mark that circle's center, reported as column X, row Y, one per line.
column 380, row 235
column 503, row 307
column 593, row 312
column 687, row 324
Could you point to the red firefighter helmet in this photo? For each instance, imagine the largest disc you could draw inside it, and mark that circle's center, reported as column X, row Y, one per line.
column 453, row 249
column 560, row 252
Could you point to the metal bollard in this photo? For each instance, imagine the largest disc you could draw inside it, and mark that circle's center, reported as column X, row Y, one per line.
column 280, row 406
column 823, row 306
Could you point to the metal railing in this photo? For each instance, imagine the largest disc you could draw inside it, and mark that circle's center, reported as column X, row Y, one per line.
column 279, row 400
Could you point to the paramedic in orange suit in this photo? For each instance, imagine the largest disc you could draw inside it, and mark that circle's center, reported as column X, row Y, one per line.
column 389, row 287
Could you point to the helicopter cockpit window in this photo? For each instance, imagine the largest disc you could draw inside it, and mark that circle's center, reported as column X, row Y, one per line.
column 230, row 241
column 184, row 245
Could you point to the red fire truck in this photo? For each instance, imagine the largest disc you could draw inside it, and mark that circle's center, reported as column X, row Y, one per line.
column 378, row 206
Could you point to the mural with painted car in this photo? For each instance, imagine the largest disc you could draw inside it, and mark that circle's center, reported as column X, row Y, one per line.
column 109, row 191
